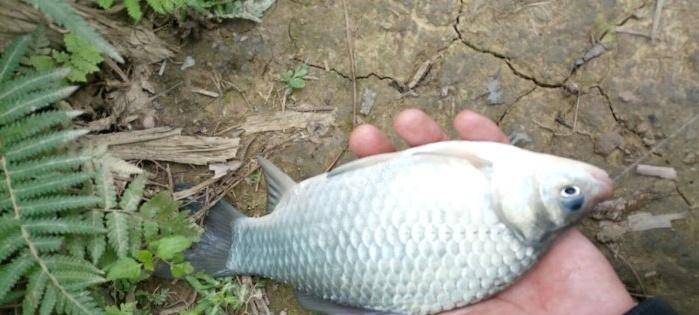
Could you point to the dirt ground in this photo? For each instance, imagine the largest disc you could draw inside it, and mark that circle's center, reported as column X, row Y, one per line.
column 581, row 79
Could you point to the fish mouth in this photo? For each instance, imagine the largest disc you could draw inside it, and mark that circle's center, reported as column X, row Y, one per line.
column 604, row 188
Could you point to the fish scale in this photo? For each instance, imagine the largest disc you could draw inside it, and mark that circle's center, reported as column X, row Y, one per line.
column 380, row 243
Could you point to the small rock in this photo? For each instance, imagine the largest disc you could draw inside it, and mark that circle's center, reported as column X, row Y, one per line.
column 629, row 97
column 495, row 96
column 368, row 100
column 148, row 122
column 689, row 159
column 517, row 137
column 607, row 142
column 188, row 62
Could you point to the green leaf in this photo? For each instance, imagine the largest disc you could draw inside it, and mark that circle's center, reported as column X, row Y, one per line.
column 63, row 14
column 161, row 202
column 181, row 269
column 168, row 247
column 133, row 8
column 297, row 83
column 12, row 55
column 105, row 4
column 124, row 268
column 146, row 257
column 42, row 63
column 301, row 71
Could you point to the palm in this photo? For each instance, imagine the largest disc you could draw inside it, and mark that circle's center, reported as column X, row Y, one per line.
column 572, row 278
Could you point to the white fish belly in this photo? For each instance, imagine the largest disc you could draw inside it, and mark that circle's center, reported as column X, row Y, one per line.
column 407, row 236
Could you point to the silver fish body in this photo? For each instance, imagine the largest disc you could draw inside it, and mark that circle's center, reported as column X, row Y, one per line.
column 415, row 232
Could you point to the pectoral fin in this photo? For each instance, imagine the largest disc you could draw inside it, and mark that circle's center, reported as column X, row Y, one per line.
column 315, row 304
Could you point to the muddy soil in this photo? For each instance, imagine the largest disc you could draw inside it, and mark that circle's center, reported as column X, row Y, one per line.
column 581, row 79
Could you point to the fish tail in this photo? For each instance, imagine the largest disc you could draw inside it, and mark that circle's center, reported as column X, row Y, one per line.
column 211, row 253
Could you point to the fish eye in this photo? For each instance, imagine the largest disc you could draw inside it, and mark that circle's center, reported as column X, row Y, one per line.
column 570, row 191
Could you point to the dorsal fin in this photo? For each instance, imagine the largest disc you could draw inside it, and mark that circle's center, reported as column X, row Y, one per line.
column 447, row 149
column 361, row 163
column 278, row 183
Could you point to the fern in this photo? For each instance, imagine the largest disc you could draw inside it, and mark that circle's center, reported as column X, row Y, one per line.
column 40, row 217
column 62, row 13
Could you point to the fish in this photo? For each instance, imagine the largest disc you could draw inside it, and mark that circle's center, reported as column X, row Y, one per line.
column 420, row 231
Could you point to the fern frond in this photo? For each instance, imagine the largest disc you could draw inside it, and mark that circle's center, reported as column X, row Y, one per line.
column 41, row 144
column 30, row 168
column 49, row 301
column 55, row 204
column 34, row 124
column 135, row 233
column 118, row 232
column 8, row 222
column 12, row 55
column 31, row 82
column 63, row 14
column 104, row 183
column 98, row 243
column 132, row 195
column 68, row 263
column 47, row 244
column 12, row 272
column 10, row 245
column 47, row 185
column 77, row 302
column 21, row 106
column 76, row 246
column 64, row 225
column 35, row 290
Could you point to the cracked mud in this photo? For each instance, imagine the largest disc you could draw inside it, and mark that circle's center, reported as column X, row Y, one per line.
column 580, row 79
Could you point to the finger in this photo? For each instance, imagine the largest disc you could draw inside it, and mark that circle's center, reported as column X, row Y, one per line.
column 368, row 140
column 416, row 128
column 473, row 126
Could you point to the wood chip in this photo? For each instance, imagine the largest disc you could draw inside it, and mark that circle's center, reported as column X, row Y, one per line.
column 657, row 171
column 205, row 92
column 167, row 144
column 221, row 169
column 642, row 221
column 285, row 120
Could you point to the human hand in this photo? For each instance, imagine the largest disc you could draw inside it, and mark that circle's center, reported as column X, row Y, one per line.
column 572, row 278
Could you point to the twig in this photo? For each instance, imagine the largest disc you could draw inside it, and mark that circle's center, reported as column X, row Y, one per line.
column 353, row 66
column 575, row 117
column 336, row 159
column 174, row 86
column 633, row 270
column 656, row 19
